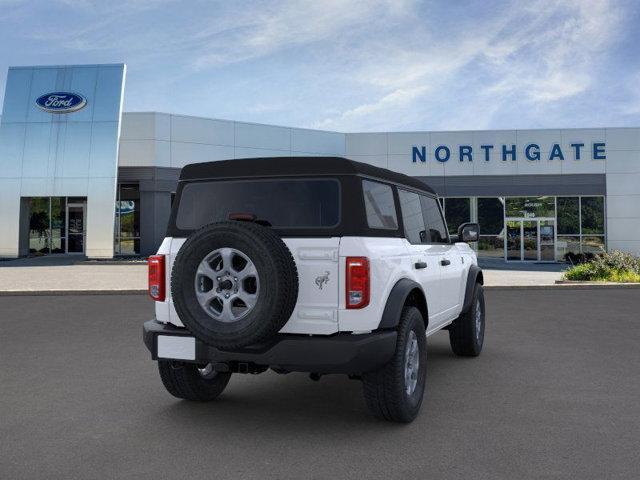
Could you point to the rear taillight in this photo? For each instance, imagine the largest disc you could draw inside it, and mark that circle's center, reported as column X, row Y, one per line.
column 357, row 275
column 156, row 277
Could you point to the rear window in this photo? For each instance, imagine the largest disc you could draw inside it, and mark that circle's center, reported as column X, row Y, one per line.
column 284, row 203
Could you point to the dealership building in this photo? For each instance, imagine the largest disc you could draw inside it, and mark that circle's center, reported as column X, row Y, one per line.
column 80, row 176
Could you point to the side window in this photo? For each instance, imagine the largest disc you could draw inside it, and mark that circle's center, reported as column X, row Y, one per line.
column 436, row 230
column 412, row 217
column 379, row 205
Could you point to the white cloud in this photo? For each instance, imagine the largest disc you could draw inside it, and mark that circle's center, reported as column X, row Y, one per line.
column 534, row 55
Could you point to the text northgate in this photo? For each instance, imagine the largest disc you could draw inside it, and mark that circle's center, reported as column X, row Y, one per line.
column 531, row 152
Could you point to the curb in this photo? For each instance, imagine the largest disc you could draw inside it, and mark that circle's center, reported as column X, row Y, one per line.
column 22, row 293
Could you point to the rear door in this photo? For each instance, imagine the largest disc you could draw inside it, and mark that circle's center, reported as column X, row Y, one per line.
column 425, row 257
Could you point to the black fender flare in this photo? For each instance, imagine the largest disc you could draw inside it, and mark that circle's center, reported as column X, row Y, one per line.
column 396, row 301
column 474, row 276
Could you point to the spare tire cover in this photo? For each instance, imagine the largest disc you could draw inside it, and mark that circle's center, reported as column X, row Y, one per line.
column 234, row 284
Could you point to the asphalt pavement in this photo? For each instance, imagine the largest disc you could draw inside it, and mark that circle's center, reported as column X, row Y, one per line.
column 553, row 395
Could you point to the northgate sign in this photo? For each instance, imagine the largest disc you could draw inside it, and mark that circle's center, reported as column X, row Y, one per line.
column 531, row 152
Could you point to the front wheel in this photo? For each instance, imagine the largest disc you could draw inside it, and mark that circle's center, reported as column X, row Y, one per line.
column 466, row 333
column 395, row 391
column 192, row 382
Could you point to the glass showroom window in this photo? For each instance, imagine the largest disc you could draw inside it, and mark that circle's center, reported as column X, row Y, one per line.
column 568, row 226
column 530, row 207
column 47, row 225
column 457, row 211
column 491, row 221
column 39, row 225
column 580, row 225
column 592, row 223
column 127, row 228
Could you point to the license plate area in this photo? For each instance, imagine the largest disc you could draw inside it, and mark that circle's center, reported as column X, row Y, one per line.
column 176, row 348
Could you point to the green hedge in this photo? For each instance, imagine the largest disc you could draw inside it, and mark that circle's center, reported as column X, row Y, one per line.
column 615, row 266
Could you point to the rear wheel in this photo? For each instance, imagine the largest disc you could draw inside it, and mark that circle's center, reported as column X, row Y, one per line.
column 466, row 333
column 192, row 382
column 395, row 391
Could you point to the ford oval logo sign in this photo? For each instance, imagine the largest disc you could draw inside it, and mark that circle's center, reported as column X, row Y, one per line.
column 61, row 102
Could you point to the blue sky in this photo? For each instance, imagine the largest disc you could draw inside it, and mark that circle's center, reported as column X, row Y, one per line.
column 373, row 65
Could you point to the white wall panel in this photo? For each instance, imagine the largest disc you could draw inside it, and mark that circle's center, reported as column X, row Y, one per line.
column 243, row 152
column 623, row 206
column 262, row 136
column 184, row 153
column 495, row 165
column 623, row 183
column 202, row 130
column 623, row 229
column 623, row 161
column 313, row 141
column 366, row 144
column 632, row 246
column 399, row 143
column 139, row 126
column 623, row 139
column 140, row 153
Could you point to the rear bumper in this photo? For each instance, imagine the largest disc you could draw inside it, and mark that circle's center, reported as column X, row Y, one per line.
column 339, row 353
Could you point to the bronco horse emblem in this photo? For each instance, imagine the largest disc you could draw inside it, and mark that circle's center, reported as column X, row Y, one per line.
column 322, row 279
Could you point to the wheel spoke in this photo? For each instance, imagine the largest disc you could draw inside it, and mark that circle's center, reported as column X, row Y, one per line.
column 227, row 258
column 248, row 298
column 205, row 297
column 205, row 269
column 226, row 315
column 249, row 270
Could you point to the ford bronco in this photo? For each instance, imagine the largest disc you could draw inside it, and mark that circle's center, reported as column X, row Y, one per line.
column 320, row 265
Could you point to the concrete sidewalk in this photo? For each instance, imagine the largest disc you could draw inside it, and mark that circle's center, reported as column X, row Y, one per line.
column 65, row 274
column 498, row 273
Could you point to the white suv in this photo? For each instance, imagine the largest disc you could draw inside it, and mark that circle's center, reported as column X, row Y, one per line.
column 319, row 265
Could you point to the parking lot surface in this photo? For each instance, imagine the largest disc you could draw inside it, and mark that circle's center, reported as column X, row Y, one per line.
column 554, row 395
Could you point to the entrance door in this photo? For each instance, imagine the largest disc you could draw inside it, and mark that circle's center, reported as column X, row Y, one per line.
column 547, row 240
column 530, row 240
column 75, row 227
column 513, row 240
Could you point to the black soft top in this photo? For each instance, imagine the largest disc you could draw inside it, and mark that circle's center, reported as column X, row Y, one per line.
column 295, row 166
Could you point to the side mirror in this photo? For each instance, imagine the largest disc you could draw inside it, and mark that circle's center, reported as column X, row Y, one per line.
column 469, row 232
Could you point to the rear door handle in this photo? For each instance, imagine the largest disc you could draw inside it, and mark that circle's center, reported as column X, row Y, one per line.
column 444, row 262
column 420, row 265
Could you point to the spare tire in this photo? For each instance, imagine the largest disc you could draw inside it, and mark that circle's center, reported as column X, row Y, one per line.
column 234, row 284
